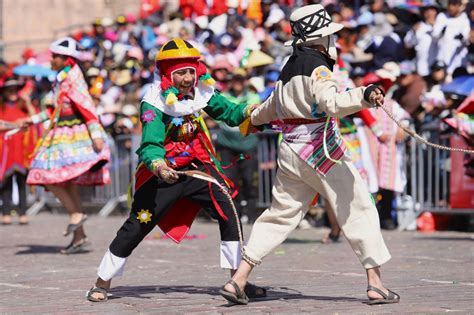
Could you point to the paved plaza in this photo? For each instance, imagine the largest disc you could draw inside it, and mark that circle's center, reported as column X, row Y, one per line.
column 433, row 273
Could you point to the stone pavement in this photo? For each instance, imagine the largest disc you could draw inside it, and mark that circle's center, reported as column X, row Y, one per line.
column 433, row 273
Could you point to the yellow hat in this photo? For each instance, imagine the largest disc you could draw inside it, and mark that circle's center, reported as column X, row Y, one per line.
column 177, row 49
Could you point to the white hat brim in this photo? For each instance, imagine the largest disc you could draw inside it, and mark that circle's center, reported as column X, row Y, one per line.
column 328, row 30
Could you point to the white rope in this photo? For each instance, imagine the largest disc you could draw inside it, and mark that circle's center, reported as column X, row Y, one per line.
column 420, row 138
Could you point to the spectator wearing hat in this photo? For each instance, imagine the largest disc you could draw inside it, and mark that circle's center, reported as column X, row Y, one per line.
column 433, row 99
column 420, row 38
column 221, row 70
column 451, row 31
column 270, row 79
column 15, row 149
column 408, row 89
column 386, row 45
column 73, row 123
column 357, row 74
column 226, row 46
column 238, row 150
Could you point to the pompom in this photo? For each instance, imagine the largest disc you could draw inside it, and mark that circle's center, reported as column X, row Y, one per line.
column 171, row 99
column 207, row 79
column 170, row 95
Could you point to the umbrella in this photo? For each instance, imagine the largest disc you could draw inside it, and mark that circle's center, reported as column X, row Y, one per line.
column 463, row 119
column 467, row 107
column 33, row 71
column 463, row 85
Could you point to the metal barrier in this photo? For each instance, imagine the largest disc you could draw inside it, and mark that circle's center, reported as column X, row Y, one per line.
column 267, row 152
column 428, row 171
column 108, row 197
column 431, row 183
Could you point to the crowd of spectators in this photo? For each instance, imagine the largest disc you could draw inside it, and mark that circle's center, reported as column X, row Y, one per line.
column 417, row 47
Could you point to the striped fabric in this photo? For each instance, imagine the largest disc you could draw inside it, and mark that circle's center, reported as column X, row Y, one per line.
column 307, row 141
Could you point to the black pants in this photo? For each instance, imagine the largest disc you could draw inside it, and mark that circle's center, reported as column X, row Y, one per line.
column 385, row 205
column 242, row 174
column 158, row 197
column 7, row 194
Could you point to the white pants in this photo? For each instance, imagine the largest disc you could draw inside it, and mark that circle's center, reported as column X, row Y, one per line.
column 113, row 266
column 295, row 186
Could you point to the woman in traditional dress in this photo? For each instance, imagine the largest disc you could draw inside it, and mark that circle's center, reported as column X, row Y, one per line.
column 73, row 151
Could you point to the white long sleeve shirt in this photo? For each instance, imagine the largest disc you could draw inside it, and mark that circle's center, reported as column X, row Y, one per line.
column 452, row 51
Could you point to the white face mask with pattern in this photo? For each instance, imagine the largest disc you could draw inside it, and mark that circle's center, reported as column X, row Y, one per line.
column 328, row 42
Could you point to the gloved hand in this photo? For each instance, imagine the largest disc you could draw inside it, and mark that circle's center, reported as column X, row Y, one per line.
column 374, row 94
column 163, row 171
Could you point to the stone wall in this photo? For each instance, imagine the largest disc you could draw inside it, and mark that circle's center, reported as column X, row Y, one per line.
column 35, row 23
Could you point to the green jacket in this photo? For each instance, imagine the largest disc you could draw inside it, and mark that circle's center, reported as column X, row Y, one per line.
column 154, row 132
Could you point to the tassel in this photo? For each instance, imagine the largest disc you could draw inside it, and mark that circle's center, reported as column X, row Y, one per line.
column 171, row 99
column 170, row 95
column 209, row 82
column 207, row 79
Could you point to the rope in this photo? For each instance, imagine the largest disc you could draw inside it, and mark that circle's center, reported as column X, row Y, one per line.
column 203, row 176
column 420, row 138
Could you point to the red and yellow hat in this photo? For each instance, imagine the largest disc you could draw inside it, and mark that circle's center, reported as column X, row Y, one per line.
column 177, row 49
column 177, row 54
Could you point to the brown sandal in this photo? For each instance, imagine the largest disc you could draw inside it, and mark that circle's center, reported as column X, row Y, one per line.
column 238, row 297
column 389, row 298
column 95, row 289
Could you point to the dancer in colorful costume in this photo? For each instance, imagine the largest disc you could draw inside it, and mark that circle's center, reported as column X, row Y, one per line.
column 73, row 151
column 175, row 137
column 312, row 157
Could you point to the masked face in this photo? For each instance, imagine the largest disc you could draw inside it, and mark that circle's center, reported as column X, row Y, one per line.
column 329, row 44
column 332, row 50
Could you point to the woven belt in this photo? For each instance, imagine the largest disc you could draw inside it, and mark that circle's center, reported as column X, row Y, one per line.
column 303, row 121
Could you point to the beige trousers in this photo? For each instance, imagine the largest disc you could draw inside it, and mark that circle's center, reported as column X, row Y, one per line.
column 295, row 186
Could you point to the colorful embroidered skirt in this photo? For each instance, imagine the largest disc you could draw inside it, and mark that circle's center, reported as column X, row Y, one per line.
column 66, row 154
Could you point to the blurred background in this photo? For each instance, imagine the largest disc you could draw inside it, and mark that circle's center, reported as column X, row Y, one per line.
column 421, row 52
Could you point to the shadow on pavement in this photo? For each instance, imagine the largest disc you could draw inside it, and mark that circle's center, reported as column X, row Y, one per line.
column 42, row 249
column 273, row 293
column 139, row 291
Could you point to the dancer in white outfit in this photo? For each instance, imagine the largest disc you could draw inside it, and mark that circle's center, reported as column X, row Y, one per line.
column 312, row 156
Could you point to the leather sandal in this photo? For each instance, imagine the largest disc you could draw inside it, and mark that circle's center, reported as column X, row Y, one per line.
column 238, row 297
column 389, row 298
column 95, row 289
column 75, row 248
column 73, row 227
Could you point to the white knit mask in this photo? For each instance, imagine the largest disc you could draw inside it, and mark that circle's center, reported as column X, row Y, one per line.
column 328, row 42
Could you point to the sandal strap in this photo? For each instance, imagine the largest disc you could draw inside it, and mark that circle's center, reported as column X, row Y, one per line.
column 71, row 227
column 236, row 288
column 385, row 296
column 392, row 295
column 96, row 289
